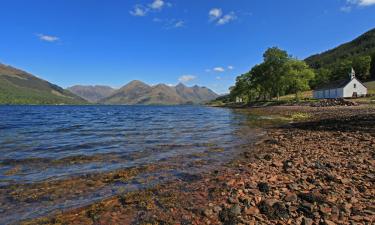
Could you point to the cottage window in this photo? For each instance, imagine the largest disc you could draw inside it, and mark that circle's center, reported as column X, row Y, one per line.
column 355, row 85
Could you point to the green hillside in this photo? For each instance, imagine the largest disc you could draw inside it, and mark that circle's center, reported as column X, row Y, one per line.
column 19, row 87
column 364, row 45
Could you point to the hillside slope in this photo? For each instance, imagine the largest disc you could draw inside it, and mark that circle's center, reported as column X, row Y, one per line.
column 139, row 93
column 92, row 94
column 362, row 46
column 20, row 87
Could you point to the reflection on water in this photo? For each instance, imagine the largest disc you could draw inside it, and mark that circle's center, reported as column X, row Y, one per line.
column 56, row 157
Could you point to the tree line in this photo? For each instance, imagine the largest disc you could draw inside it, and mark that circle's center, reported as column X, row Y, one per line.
column 281, row 74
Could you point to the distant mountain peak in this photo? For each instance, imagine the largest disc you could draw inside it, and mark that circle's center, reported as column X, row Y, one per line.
column 181, row 85
column 137, row 92
column 92, row 93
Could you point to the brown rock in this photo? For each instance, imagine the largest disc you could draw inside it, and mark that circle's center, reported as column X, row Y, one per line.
column 252, row 211
column 328, row 222
column 291, row 197
column 207, row 212
column 307, row 221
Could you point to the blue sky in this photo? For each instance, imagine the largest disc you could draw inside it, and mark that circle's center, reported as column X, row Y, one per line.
column 205, row 42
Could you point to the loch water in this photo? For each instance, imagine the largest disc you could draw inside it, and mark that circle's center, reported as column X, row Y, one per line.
column 51, row 143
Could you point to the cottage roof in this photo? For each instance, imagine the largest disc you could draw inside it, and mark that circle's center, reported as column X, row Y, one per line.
column 333, row 85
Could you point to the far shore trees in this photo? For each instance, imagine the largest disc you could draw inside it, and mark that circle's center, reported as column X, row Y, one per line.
column 277, row 75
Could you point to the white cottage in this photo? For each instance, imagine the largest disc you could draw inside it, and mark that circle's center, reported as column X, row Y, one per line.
column 347, row 88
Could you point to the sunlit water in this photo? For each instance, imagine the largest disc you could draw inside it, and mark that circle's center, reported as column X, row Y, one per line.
column 44, row 143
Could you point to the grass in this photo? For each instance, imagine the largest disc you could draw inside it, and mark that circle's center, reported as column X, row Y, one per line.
column 371, row 87
column 291, row 97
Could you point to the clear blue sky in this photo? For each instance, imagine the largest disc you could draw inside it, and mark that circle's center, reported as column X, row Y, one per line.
column 112, row 42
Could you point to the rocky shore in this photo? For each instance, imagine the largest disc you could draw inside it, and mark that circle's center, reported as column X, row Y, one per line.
column 320, row 170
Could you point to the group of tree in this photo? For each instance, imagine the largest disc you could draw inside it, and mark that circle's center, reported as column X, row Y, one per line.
column 277, row 75
column 364, row 67
column 281, row 74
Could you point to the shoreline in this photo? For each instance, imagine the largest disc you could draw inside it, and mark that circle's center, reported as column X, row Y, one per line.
column 319, row 170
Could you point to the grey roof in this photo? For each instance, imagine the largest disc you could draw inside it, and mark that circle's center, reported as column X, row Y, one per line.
column 333, row 85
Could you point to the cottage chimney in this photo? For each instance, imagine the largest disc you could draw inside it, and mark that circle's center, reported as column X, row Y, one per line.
column 352, row 74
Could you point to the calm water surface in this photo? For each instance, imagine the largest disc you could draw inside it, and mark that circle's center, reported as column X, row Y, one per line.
column 44, row 143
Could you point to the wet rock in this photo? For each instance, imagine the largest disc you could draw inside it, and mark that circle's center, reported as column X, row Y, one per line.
column 361, row 189
column 312, row 197
column 230, row 216
column 273, row 209
column 288, row 164
column 263, row 187
column 306, row 209
column 268, row 157
column 311, row 180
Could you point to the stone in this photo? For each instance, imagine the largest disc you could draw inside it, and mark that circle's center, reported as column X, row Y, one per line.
column 291, row 197
column 273, row 209
column 307, row 221
column 312, row 197
column 328, row 222
column 236, row 210
column 263, row 187
column 230, row 216
column 217, row 209
column 207, row 212
column 252, row 211
column 268, row 157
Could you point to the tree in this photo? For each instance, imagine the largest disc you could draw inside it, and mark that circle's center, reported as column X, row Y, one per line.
column 361, row 65
column 274, row 61
column 372, row 69
column 298, row 76
column 240, row 88
column 278, row 74
column 341, row 69
column 322, row 76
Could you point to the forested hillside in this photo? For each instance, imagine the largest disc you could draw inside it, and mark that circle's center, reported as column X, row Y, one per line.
column 361, row 46
column 336, row 63
column 20, row 87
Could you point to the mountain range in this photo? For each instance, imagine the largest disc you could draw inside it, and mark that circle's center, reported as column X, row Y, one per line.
column 139, row 93
column 20, row 87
